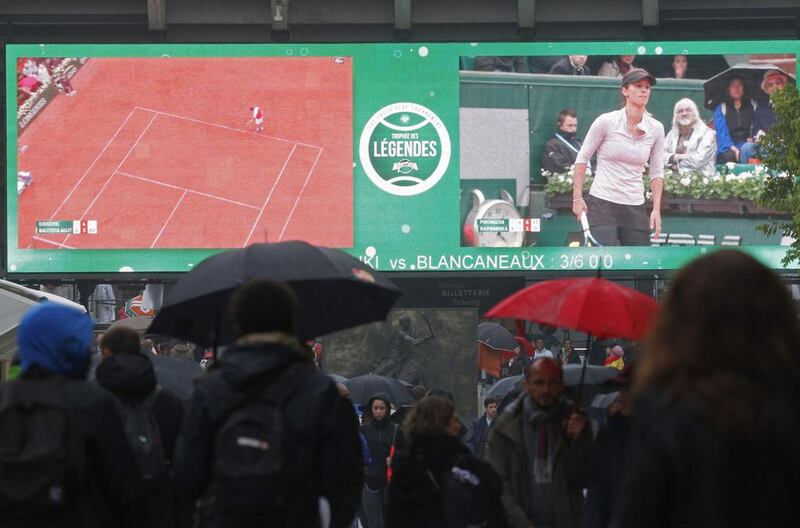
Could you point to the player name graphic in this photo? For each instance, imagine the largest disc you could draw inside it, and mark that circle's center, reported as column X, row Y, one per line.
column 66, row 227
column 511, row 225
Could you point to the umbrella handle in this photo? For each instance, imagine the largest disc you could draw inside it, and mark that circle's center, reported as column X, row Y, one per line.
column 579, row 393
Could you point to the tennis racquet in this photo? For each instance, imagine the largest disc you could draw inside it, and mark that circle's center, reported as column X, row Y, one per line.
column 588, row 239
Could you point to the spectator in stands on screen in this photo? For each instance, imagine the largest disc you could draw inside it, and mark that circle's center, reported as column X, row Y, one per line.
column 733, row 121
column 43, row 74
column 690, row 145
column 28, row 85
column 30, row 69
column 561, row 150
column 571, row 65
column 502, row 64
column 679, row 67
column 617, row 67
column 542, row 64
column 64, row 85
column 764, row 117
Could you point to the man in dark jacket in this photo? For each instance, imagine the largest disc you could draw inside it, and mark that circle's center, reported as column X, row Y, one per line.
column 243, row 480
column 384, row 439
column 480, row 428
column 101, row 484
column 540, row 446
column 128, row 373
column 571, row 65
column 561, row 150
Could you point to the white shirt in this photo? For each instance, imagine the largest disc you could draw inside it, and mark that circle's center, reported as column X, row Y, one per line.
column 621, row 157
column 542, row 353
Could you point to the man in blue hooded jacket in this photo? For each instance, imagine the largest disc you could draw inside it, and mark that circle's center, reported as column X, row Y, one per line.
column 64, row 457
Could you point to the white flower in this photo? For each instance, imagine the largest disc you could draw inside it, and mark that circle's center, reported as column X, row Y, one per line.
column 783, row 175
column 648, row 194
column 716, row 178
column 759, row 169
column 730, row 165
column 745, row 175
column 730, row 177
column 705, row 181
column 686, row 181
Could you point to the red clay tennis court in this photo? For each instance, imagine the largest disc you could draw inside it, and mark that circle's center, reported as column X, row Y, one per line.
column 181, row 167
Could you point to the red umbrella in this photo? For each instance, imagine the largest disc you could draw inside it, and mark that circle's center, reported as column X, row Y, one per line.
column 596, row 306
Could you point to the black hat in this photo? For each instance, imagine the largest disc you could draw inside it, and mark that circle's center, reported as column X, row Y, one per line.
column 637, row 74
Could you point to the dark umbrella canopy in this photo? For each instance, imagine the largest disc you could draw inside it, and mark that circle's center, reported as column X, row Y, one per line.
column 496, row 336
column 715, row 89
column 177, row 375
column 595, row 375
column 334, row 291
column 336, row 377
column 362, row 388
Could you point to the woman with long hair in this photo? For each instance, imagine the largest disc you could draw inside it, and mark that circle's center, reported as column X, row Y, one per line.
column 625, row 140
column 439, row 482
column 718, row 392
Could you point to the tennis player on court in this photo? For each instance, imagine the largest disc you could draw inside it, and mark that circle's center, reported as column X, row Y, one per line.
column 624, row 140
column 257, row 117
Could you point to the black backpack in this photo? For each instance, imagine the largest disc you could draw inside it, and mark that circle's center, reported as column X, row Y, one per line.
column 251, row 446
column 468, row 499
column 41, row 458
column 144, row 436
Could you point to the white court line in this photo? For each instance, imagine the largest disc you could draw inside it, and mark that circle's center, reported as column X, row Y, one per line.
column 227, row 127
column 108, row 143
column 269, row 196
column 297, row 200
column 59, row 244
column 168, row 219
column 121, row 163
column 213, row 196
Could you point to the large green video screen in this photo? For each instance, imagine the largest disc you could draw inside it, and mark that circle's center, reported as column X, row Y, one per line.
column 413, row 157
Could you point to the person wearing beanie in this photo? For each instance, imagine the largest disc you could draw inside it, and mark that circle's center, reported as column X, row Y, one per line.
column 615, row 357
column 91, row 477
column 225, row 456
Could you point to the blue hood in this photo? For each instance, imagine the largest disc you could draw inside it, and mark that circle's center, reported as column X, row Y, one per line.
column 55, row 337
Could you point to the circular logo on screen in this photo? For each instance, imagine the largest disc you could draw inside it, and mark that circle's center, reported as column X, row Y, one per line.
column 404, row 149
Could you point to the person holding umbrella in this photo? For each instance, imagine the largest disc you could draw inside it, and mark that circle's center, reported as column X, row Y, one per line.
column 384, row 439
column 267, row 440
column 540, row 446
column 733, row 122
column 624, row 140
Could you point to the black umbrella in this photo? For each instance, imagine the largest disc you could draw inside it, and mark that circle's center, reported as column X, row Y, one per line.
column 334, row 291
column 362, row 388
column 177, row 375
column 336, row 377
column 496, row 336
column 595, row 375
column 715, row 90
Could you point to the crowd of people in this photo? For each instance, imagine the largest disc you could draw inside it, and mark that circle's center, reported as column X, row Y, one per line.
column 740, row 121
column 701, row 432
column 33, row 74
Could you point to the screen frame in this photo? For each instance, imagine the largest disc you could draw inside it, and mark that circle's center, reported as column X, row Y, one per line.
column 150, row 263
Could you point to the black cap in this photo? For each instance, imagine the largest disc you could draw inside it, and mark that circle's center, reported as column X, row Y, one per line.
column 637, row 74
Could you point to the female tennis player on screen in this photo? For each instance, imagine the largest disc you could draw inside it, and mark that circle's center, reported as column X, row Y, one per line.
column 625, row 140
